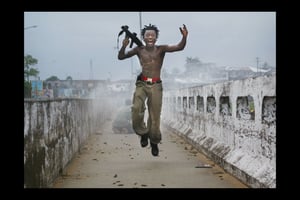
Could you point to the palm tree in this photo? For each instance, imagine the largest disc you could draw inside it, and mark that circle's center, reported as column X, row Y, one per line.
column 28, row 71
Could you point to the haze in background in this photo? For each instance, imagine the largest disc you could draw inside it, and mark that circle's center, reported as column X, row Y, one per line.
column 83, row 45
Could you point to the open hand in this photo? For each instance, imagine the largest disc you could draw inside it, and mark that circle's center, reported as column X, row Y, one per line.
column 183, row 30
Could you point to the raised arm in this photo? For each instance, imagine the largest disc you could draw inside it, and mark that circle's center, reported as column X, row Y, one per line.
column 122, row 55
column 180, row 46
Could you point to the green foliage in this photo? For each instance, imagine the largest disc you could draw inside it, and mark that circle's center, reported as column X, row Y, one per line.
column 29, row 60
column 27, row 89
column 52, row 78
column 190, row 60
column 29, row 71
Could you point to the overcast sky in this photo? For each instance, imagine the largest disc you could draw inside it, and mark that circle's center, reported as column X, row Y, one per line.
column 83, row 45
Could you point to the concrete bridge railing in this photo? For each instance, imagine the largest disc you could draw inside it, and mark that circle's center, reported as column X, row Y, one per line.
column 234, row 123
column 54, row 131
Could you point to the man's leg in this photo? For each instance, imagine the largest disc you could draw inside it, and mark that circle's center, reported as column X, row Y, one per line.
column 138, row 111
column 154, row 106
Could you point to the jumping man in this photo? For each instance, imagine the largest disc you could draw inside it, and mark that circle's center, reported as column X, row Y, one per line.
column 148, row 83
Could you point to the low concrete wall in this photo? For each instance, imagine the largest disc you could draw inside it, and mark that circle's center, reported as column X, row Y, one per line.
column 54, row 131
column 233, row 123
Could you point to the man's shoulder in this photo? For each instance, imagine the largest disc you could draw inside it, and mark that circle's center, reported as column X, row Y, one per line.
column 162, row 47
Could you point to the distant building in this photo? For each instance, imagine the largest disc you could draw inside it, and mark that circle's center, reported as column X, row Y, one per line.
column 119, row 86
column 75, row 88
column 206, row 73
column 89, row 88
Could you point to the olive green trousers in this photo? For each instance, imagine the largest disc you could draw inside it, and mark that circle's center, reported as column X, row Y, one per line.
column 152, row 95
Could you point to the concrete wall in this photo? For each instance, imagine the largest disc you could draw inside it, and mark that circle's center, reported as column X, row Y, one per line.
column 54, row 131
column 233, row 123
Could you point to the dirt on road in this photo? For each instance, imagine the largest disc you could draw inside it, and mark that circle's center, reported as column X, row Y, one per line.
column 110, row 160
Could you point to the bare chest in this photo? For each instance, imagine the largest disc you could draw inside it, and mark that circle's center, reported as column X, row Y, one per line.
column 147, row 56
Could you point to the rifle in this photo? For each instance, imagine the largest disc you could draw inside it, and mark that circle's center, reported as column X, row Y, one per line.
column 132, row 36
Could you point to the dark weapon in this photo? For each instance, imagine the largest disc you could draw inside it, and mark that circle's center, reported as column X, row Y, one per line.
column 132, row 36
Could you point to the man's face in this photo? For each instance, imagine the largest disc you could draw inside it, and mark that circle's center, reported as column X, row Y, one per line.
column 150, row 37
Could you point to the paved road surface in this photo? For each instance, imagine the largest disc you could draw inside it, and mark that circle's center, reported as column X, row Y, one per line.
column 110, row 160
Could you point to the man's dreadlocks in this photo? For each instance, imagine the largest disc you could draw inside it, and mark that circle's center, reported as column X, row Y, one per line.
column 150, row 27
